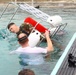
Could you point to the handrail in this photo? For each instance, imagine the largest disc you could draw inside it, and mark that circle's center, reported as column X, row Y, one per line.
column 59, row 28
column 13, row 15
column 4, row 10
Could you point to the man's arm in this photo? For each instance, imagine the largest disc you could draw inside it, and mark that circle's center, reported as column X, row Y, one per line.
column 49, row 42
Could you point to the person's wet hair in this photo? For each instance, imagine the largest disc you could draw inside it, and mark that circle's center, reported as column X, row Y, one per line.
column 26, row 72
column 10, row 24
column 22, row 39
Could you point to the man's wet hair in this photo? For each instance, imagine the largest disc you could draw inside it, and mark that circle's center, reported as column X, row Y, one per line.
column 10, row 24
column 26, row 72
column 23, row 39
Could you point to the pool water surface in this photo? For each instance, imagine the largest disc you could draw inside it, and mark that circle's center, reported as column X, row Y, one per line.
column 9, row 64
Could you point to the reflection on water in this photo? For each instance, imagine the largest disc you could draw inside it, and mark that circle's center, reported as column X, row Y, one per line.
column 8, row 41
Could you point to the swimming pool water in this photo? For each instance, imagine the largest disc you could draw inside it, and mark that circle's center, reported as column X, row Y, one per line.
column 9, row 64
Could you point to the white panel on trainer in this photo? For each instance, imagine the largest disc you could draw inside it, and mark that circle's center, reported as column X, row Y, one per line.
column 55, row 20
column 34, row 11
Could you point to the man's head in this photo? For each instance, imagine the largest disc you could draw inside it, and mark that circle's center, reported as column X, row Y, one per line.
column 26, row 72
column 13, row 27
column 22, row 38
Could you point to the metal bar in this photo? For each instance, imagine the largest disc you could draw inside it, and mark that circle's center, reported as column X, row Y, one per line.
column 64, row 26
column 32, row 2
column 15, row 1
column 13, row 15
column 57, row 29
column 4, row 10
